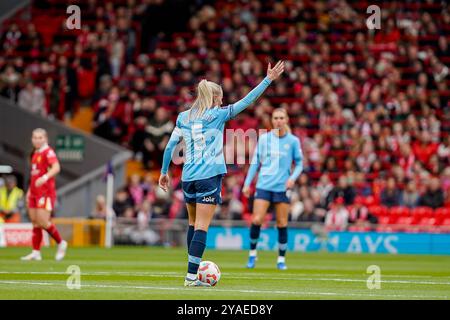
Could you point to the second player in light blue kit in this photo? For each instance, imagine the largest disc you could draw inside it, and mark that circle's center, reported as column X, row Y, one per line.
column 201, row 128
column 274, row 155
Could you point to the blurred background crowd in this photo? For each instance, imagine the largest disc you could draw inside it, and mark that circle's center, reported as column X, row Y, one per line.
column 371, row 107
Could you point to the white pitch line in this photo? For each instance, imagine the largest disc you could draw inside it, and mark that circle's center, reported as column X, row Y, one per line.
column 230, row 290
column 230, row 276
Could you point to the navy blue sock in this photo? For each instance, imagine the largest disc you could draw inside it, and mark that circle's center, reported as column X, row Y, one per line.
column 282, row 241
column 190, row 234
column 196, row 249
column 254, row 235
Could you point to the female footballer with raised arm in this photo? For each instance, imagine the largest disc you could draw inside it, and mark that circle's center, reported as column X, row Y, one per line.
column 201, row 127
column 274, row 155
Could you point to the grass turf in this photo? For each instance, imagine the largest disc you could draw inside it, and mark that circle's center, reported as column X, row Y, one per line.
column 157, row 273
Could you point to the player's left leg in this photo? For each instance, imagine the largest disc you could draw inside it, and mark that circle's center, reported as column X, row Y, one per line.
column 189, row 192
column 43, row 218
column 191, row 218
column 282, row 213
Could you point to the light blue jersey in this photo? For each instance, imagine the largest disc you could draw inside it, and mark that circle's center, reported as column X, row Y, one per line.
column 203, row 138
column 274, row 156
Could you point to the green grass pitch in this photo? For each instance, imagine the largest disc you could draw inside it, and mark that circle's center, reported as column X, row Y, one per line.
column 157, row 273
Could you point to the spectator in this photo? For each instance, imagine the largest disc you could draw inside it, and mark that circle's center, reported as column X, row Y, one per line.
column 344, row 190
column 143, row 111
column 444, row 151
column 308, row 213
column 135, row 190
column 51, row 96
column 434, row 196
column 167, row 87
column 324, row 186
column 104, row 87
column 424, row 148
column 391, row 196
column 159, row 130
column 410, row 197
column 367, row 157
column 100, row 209
column 149, row 187
column 319, row 206
column 143, row 235
column 406, row 159
column 32, row 98
column 122, row 203
column 361, row 185
column 359, row 214
column 105, row 124
column 9, row 83
column 69, row 81
column 11, row 200
column 445, row 178
column 357, row 110
column 116, row 55
column 11, row 38
column 162, row 203
column 232, row 207
column 337, row 216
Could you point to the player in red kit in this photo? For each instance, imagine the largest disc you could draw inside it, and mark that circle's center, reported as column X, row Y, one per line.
column 41, row 195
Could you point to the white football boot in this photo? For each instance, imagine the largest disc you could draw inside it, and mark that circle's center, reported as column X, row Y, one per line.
column 195, row 283
column 61, row 252
column 34, row 255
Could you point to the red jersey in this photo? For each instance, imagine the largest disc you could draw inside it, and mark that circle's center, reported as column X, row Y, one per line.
column 40, row 163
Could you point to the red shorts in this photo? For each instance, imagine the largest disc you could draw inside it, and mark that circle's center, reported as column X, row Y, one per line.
column 45, row 202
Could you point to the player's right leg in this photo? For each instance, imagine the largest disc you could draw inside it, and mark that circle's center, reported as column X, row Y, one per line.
column 36, row 237
column 260, row 206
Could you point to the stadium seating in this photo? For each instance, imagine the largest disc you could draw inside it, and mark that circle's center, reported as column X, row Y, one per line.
column 339, row 38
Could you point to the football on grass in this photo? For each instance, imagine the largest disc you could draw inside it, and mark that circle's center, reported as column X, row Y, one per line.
column 209, row 272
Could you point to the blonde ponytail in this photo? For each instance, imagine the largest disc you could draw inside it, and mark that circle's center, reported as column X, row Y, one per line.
column 206, row 90
column 286, row 126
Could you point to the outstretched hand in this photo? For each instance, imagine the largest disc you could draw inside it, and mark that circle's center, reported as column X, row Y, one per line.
column 275, row 72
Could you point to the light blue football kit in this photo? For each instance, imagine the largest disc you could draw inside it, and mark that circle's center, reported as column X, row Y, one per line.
column 273, row 157
column 203, row 138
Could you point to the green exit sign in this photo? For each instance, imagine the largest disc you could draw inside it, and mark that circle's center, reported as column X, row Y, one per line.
column 70, row 147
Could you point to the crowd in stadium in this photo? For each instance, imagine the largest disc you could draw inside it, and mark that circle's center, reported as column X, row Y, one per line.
column 371, row 107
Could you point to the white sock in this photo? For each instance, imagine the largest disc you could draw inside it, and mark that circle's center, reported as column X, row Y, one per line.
column 253, row 253
column 191, row 276
column 36, row 252
column 281, row 259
